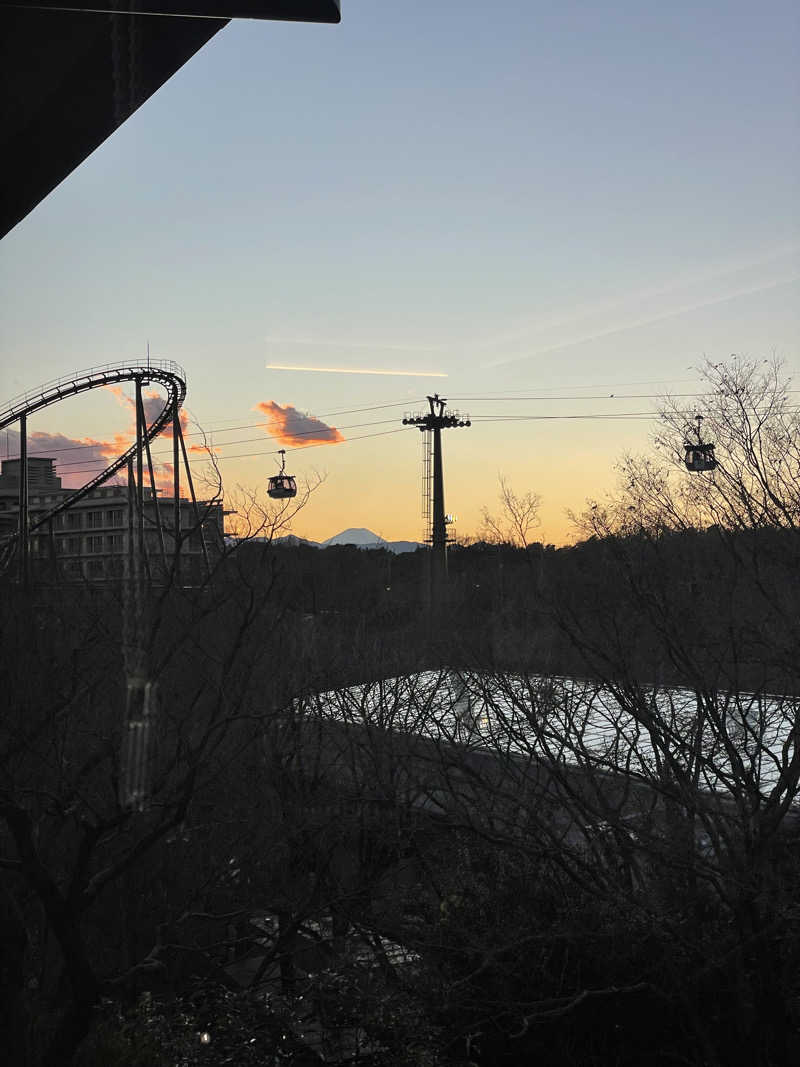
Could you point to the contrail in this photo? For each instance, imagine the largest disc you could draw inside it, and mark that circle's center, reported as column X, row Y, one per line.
column 364, row 370
column 711, row 273
column 647, row 320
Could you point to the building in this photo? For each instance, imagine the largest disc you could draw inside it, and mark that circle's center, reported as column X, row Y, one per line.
column 41, row 475
column 95, row 539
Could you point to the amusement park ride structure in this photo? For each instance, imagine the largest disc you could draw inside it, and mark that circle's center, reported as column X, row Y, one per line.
column 172, row 378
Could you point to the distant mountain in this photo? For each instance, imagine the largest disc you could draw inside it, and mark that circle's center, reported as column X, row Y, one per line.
column 288, row 539
column 367, row 539
column 356, row 535
column 293, row 539
column 403, row 546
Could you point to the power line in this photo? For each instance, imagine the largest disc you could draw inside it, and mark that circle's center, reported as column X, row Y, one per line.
column 324, row 415
column 300, row 433
column 588, row 396
column 472, row 398
column 649, row 415
column 405, row 402
column 378, row 407
column 247, row 440
column 479, row 417
column 597, row 396
column 269, row 452
column 232, row 429
column 318, row 444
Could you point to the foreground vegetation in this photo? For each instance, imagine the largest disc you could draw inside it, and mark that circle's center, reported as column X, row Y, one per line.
column 195, row 872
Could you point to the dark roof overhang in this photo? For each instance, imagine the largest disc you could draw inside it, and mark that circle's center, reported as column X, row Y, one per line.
column 71, row 74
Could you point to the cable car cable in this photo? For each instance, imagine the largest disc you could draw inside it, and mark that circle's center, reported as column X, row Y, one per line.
column 275, row 451
column 246, row 440
column 231, row 429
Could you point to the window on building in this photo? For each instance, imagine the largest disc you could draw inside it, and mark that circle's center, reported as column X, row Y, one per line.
column 114, row 518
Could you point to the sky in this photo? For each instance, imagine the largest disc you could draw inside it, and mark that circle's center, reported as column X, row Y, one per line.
column 544, row 204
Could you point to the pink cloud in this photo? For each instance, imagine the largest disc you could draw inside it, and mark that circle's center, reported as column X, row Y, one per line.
column 77, row 459
column 293, row 427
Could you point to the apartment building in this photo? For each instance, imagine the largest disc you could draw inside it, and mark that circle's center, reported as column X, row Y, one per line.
column 90, row 541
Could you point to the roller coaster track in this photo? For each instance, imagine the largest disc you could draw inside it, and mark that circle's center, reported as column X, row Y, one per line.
column 169, row 375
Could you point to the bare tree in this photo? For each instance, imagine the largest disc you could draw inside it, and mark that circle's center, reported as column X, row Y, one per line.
column 124, row 715
column 748, row 415
column 253, row 515
column 694, row 581
column 517, row 519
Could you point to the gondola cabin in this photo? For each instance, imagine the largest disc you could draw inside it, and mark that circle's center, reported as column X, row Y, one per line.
column 282, row 486
column 699, row 454
column 699, row 458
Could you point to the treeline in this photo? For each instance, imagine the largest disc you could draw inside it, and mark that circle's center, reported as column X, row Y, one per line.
column 351, row 896
column 673, row 608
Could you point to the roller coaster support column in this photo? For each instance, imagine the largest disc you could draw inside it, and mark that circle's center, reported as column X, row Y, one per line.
column 24, row 569
column 139, row 473
column 176, row 490
column 197, row 517
column 131, row 511
column 156, row 506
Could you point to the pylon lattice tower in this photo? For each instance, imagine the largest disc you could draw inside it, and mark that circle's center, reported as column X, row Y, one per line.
column 431, row 423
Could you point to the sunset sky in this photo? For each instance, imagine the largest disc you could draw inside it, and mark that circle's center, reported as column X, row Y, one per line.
column 543, row 204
